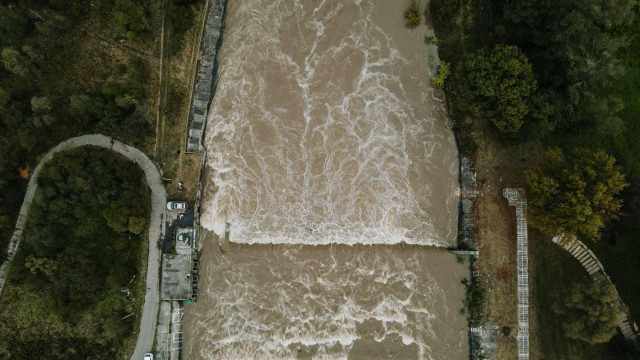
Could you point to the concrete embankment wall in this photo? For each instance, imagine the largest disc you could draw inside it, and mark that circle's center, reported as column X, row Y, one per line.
column 206, row 76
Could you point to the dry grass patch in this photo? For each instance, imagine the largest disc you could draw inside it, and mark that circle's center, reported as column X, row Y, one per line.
column 499, row 166
column 178, row 165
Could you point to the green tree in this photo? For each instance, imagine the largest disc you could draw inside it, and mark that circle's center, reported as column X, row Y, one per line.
column 15, row 62
column 41, row 265
column 126, row 214
column 13, row 25
column 72, row 265
column 574, row 195
column 40, row 104
column 130, row 18
column 137, row 224
column 85, row 105
column 573, row 45
column 497, row 86
column 181, row 18
column 4, row 98
column 590, row 311
column 560, row 24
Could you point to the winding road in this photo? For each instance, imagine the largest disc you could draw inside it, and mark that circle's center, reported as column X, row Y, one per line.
column 158, row 202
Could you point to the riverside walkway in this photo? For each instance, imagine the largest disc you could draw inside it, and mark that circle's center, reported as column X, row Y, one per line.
column 594, row 268
column 158, row 203
column 516, row 199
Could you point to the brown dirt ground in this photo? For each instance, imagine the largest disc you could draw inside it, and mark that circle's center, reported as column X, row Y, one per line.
column 500, row 166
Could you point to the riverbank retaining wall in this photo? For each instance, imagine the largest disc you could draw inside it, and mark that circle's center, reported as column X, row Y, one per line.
column 206, row 76
column 468, row 193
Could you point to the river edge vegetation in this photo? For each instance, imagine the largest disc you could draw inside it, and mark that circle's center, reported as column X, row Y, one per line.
column 570, row 70
column 76, row 286
column 71, row 67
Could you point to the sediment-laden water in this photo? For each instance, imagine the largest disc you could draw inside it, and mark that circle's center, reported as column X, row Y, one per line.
column 325, row 131
column 334, row 302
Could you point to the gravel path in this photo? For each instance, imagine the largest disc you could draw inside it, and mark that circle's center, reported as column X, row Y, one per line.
column 158, row 201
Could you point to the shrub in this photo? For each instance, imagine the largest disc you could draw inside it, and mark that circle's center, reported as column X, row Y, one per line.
column 412, row 16
column 475, row 300
column 430, row 40
column 443, row 73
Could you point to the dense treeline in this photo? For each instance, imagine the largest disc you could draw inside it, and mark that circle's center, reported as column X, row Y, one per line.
column 574, row 49
column 80, row 256
column 69, row 67
column 564, row 73
column 573, row 44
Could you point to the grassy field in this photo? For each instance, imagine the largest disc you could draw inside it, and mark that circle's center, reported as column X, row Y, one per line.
column 182, row 59
column 553, row 271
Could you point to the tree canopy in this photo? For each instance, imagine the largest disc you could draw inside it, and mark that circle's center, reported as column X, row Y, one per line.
column 590, row 311
column 130, row 18
column 498, row 86
column 60, row 76
column 561, row 24
column 575, row 195
column 573, row 43
column 65, row 284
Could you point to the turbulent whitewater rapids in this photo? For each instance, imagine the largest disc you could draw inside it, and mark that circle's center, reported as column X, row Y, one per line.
column 281, row 302
column 325, row 129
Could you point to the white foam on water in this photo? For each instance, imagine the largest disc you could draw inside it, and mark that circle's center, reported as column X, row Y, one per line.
column 324, row 130
column 274, row 303
column 314, row 138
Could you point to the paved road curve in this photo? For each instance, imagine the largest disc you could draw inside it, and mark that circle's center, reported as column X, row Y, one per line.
column 158, row 201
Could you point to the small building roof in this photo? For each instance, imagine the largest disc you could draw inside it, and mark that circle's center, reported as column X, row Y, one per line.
column 176, row 285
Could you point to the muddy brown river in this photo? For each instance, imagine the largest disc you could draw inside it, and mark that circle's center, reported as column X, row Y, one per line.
column 332, row 157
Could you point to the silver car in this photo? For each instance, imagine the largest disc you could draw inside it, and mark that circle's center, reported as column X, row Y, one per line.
column 148, row 356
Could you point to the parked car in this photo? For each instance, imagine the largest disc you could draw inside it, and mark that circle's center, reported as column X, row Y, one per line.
column 148, row 356
column 177, row 205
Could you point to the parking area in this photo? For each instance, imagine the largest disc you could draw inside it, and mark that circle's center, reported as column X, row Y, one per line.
column 178, row 278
